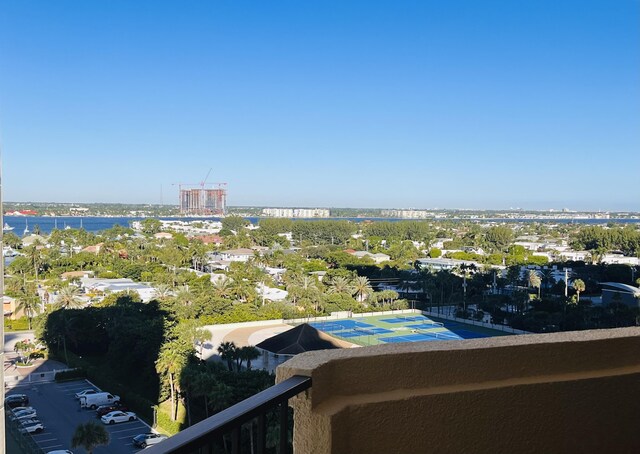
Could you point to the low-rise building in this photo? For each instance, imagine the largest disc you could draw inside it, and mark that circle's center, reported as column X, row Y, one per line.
column 146, row 292
column 619, row 259
column 237, row 255
column 439, row 264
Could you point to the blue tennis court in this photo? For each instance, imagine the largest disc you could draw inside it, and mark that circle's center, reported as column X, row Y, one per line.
column 384, row 329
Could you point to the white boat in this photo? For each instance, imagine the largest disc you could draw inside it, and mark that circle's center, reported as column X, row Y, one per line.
column 7, row 228
column 7, row 251
column 26, row 228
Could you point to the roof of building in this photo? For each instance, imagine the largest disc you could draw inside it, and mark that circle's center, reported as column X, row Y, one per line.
column 302, row 338
column 623, row 287
column 240, row 251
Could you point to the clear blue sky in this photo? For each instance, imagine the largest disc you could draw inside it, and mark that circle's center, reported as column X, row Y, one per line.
column 454, row 104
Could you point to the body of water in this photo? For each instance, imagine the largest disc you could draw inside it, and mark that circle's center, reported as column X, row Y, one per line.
column 96, row 224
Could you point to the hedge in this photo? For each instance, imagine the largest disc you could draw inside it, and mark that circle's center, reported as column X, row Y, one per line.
column 71, row 374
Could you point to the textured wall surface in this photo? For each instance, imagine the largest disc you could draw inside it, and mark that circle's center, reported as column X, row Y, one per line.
column 544, row 393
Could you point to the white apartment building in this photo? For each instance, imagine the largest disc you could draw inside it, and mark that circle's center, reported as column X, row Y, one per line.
column 296, row 212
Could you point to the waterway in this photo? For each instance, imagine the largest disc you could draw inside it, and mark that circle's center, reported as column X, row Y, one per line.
column 96, row 224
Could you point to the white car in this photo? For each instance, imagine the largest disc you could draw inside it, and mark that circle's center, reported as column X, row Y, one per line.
column 31, row 426
column 118, row 416
column 24, row 414
column 148, row 439
column 85, row 393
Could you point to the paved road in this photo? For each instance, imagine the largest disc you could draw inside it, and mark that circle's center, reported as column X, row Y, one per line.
column 60, row 413
column 11, row 338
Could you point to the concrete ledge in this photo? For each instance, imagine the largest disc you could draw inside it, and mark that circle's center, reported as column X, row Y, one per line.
column 531, row 393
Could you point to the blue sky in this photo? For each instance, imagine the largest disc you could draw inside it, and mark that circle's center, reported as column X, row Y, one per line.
column 424, row 104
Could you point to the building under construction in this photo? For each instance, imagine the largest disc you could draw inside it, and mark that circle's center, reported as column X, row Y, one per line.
column 203, row 201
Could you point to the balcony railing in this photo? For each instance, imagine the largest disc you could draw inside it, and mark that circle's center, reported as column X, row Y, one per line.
column 205, row 435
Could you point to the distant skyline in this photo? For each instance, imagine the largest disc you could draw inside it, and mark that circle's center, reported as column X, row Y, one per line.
column 412, row 104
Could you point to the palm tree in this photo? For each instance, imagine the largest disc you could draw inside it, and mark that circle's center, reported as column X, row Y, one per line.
column 171, row 362
column 340, row 284
column 201, row 336
column 163, row 291
column 227, row 351
column 90, row 435
column 579, row 286
column 69, row 298
column 249, row 354
column 534, row 280
column 362, row 288
column 29, row 305
column 222, row 288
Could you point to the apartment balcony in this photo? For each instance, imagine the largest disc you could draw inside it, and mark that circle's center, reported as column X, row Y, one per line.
column 576, row 392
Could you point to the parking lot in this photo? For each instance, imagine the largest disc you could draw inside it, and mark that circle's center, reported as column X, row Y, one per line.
column 60, row 413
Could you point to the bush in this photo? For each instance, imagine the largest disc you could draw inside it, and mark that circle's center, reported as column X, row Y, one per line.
column 165, row 424
column 20, row 324
column 71, row 374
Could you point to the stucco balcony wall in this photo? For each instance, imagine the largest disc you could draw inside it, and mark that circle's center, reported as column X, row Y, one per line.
column 576, row 392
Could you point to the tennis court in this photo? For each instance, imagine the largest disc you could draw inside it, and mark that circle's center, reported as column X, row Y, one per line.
column 385, row 329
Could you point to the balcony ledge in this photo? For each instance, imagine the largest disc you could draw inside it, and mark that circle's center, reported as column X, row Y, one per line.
column 561, row 392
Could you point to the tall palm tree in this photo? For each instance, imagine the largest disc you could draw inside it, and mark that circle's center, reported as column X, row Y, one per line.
column 69, row 298
column 362, row 288
column 171, row 362
column 579, row 286
column 29, row 305
column 222, row 288
column 534, row 280
column 89, row 436
column 249, row 354
column 340, row 284
column 227, row 351
column 201, row 336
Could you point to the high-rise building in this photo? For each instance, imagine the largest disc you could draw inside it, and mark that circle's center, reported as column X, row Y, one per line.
column 202, row 201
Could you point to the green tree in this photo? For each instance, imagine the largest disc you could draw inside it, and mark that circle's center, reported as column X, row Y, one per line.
column 249, row 354
column 234, row 223
column 29, row 304
column 340, row 284
column 534, row 281
column 227, row 351
column 171, row 361
column 579, row 286
column 362, row 288
column 69, row 298
column 90, row 435
column 151, row 226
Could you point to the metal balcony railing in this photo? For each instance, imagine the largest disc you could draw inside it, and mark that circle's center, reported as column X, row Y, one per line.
column 205, row 435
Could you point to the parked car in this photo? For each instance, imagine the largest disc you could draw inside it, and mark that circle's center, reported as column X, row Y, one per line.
column 85, row 392
column 94, row 400
column 17, row 409
column 104, row 409
column 31, row 426
column 118, row 416
column 16, row 400
column 24, row 414
column 148, row 439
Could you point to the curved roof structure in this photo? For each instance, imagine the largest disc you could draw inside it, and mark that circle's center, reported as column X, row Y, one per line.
column 621, row 287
